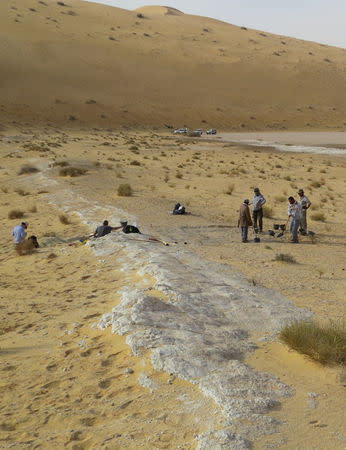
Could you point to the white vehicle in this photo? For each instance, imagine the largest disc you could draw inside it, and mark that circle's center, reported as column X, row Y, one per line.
column 211, row 131
column 181, row 131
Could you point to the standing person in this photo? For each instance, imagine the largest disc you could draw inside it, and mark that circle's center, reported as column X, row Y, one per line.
column 294, row 212
column 19, row 232
column 305, row 204
column 257, row 213
column 244, row 220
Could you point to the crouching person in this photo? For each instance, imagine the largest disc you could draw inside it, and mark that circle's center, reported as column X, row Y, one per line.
column 244, row 220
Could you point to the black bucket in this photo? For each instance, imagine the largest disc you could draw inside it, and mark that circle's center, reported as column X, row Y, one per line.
column 257, row 239
column 282, row 227
column 276, row 226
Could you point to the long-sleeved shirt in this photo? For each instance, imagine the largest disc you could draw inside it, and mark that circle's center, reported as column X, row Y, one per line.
column 19, row 234
column 304, row 201
column 258, row 201
column 294, row 210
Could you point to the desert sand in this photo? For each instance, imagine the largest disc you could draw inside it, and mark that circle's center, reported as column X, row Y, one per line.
column 88, row 64
column 127, row 343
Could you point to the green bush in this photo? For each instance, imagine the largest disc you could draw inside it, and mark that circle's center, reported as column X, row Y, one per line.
column 325, row 343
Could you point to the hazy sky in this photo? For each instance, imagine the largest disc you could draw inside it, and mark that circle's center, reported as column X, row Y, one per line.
column 313, row 20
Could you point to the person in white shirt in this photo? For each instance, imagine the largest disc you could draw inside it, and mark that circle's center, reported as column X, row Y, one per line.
column 294, row 212
column 257, row 211
column 305, row 204
column 19, row 232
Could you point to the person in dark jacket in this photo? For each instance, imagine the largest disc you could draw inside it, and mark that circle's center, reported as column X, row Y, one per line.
column 244, row 220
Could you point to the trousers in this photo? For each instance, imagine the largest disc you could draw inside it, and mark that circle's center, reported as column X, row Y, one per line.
column 294, row 225
column 244, row 231
column 258, row 215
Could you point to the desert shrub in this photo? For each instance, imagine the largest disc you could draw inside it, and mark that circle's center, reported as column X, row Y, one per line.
column 64, row 219
column 135, row 163
column 179, row 175
column 315, row 184
column 15, row 214
column 325, row 343
column 125, row 190
column 72, row 172
column 25, row 247
column 52, row 256
column 267, row 211
column 318, row 217
column 284, row 257
column 287, row 178
column 280, row 198
column 33, row 209
column 28, row 169
column 4, row 190
column 230, row 189
column 60, row 164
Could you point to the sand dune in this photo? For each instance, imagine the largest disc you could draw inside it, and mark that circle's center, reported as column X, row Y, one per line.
column 82, row 63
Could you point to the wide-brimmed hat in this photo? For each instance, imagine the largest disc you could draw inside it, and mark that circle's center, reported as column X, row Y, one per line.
column 256, row 190
column 247, row 201
column 300, row 191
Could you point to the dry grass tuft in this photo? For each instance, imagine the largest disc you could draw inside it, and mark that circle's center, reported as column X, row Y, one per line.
column 125, row 190
column 33, row 209
column 72, row 172
column 325, row 343
column 26, row 169
column 64, row 219
column 25, row 248
column 15, row 214
column 318, row 217
column 284, row 257
column 267, row 212
column 230, row 189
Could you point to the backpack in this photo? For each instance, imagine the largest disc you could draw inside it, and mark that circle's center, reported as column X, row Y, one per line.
column 130, row 229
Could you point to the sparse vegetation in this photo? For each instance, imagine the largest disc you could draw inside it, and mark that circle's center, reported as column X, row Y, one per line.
column 284, row 257
column 15, row 214
column 64, row 219
column 280, row 198
column 318, row 217
column 27, row 169
column 230, row 189
column 33, row 209
column 325, row 343
column 267, row 212
column 125, row 190
column 135, row 163
column 72, row 172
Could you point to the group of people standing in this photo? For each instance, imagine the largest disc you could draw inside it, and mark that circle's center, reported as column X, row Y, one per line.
column 296, row 213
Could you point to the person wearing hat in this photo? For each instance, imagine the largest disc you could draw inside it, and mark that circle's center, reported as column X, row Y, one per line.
column 294, row 213
column 244, row 220
column 19, row 232
column 305, row 204
column 257, row 212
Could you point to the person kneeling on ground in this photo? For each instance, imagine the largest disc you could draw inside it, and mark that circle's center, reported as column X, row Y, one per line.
column 244, row 220
column 104, row 229
column 178, row 209
column 294, row 212
column 19, row 232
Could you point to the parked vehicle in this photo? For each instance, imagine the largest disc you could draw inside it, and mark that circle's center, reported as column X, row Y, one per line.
column 199, row 130
column 181, row 131
column 212, row 131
